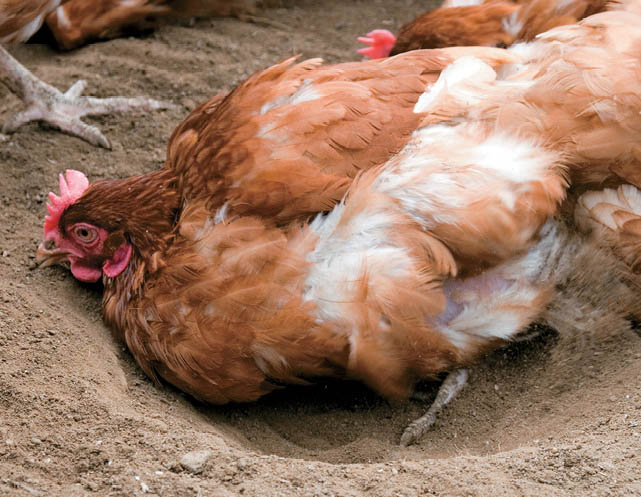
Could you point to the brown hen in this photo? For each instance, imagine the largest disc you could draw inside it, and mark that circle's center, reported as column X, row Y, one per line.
column 491, row 23
column 80, row 21
column 441, row 250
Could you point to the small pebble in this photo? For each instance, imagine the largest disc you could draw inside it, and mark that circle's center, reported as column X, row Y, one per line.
column 195, row 461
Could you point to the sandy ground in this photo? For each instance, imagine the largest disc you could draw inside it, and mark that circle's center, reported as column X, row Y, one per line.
column 77, row 416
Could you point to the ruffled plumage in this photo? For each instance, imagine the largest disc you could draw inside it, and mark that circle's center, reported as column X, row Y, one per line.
column 382, row 221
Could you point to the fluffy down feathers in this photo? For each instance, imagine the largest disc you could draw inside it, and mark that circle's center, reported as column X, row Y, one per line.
column 598, row 128
column 577, row 90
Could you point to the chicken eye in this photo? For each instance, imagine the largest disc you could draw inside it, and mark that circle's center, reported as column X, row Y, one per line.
column 86, row 235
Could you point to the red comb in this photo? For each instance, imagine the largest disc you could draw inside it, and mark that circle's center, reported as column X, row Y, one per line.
column 380, row 42
column 72, row 185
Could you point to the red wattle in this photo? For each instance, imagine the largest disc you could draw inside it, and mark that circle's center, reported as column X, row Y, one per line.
column 118, row 262
column 88, row 274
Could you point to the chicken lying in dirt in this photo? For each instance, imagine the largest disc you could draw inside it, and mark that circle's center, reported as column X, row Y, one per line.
column 79, row 21
column 443, row 249
column 492, row 23
column 19, row 20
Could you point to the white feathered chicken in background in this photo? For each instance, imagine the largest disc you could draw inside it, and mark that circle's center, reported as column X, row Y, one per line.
column 19, row 20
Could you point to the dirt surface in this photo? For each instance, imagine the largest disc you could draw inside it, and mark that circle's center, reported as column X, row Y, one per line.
column 77, row 416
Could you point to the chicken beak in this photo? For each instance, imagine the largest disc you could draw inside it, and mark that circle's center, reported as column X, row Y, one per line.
column 48, row 255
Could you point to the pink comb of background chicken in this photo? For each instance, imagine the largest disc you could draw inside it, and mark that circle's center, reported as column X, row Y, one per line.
column 72, row 185
column 380, row 42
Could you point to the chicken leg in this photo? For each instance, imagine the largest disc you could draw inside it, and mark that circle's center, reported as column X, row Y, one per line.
column 451, row 386
column 63, row 110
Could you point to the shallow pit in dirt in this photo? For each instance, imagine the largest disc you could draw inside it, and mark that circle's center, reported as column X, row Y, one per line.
column 515, row 397
column 77, row 416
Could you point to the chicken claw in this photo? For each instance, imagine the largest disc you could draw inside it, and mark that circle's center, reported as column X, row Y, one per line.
column 63, row 110
column 451, row 386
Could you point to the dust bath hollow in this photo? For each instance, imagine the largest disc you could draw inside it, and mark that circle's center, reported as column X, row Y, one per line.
column 512, row 400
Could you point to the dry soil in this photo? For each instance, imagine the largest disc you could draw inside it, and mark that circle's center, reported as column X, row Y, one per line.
column 77, row 416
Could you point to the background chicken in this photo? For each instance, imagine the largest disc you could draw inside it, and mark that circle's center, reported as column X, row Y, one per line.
column 489, row 23
column 18, row 21
column 79, row 21
column 539, row 16
column 440, row 254
column 469, row 25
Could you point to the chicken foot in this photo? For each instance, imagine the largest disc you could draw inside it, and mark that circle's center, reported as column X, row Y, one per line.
column 449, row 389
column 63, row 110
column 451, row 386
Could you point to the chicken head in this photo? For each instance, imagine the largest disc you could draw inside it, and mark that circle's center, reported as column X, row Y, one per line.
column 87, row 247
